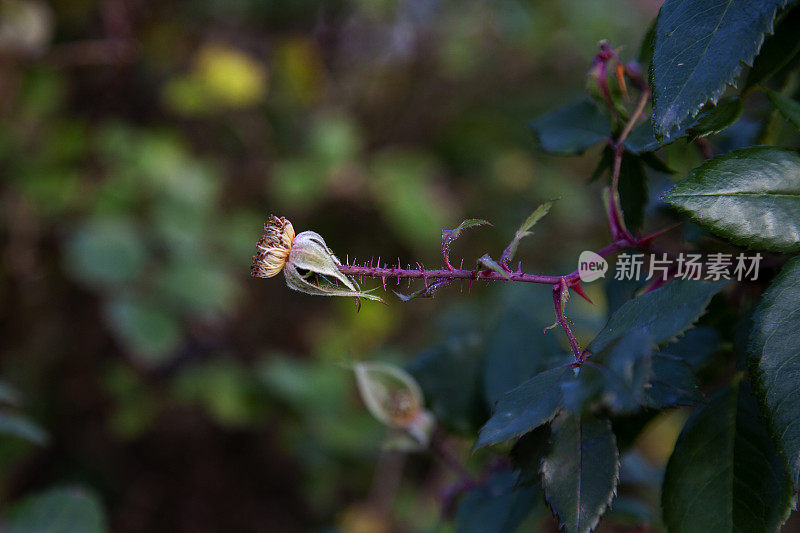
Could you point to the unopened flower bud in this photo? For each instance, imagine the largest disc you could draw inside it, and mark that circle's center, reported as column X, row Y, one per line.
column 393, row 396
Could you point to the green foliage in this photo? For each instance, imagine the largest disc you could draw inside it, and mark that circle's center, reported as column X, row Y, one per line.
column 724, row 473
column 525, row 230
column 496, row 506
column 13, row 424
column 59, row 510
column 773, row 354
column 662, row 314
column 630, row 363
column 21, row 427
column 107, row 252
column 450, row 235
column 671, row 383
column 699, row 49
column 571, row 129
column 750, row 196
column 526, row 407
column 515, row 351
column 716, row 119
column 789, row 108
column 490, row 264
column 450, row 378
column 580, row 471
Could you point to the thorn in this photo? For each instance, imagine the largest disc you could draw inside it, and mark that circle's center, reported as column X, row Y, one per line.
column 379, row 261
column 424, row 275
column 461, row 266
column 370, row 262
column 644, row 241
column 519, row 268
column 347, row 259
column 469, row 288
column 383, row 280
column 578, row 289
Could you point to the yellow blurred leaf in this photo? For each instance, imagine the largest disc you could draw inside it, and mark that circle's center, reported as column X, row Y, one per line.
column 221, row 78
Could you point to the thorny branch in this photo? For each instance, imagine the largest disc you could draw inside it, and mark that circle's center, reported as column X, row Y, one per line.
column 623, row 239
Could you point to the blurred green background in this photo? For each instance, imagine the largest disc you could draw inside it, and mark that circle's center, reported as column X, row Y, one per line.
column 142, row 146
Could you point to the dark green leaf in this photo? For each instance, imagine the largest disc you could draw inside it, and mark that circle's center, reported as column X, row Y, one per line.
column 777, row 51
column 619, row 291
column 525, row 230
column 695, row 347
column 580, row 471
column 517, row 348
column 774, row 352
column 527, row 454
column 450, row 378
column 450, row 235
column 700, row 48
column 23, row 428
column 671, row 383
column 717, row 118
column 629, row 360
column 580, row 393
column 662, row 314
column 525, row 408
column 643, row 139
column 789, row 108
column 497, row 506
column 724, row 473
column 62, row 510
column 751, row 196
column 571, row 129
column 633, row 190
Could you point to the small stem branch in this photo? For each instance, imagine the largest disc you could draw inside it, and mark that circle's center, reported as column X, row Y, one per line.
column 616, row 219
column 489, row 275
column 558, row 303
column 643, row 98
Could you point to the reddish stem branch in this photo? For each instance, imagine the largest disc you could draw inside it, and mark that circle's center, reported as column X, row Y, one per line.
column 558, row 303
column 622, row 239
column 616, row 219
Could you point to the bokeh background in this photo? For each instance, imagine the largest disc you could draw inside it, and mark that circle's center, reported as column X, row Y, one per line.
column 142, row 146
